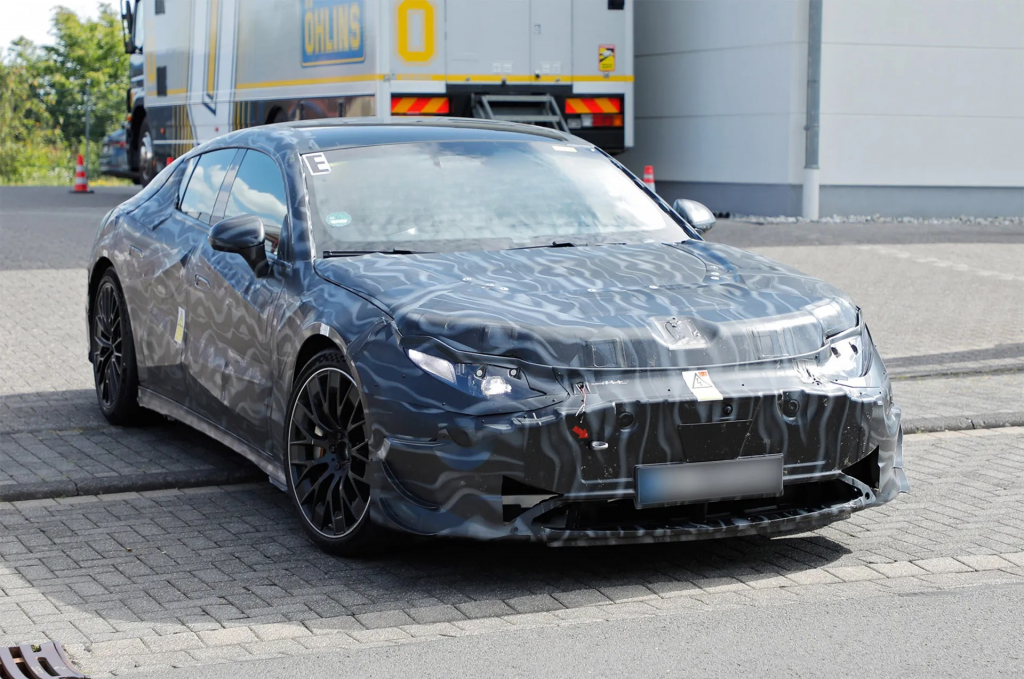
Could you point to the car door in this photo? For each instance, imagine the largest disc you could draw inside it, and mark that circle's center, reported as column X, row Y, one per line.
column 161, row 239
column 229, row 357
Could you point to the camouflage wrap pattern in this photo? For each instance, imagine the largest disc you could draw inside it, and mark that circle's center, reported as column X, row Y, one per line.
column 594, row 342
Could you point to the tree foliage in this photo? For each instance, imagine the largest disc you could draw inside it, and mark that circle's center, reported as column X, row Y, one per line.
column 86, row 54
column 43, row 89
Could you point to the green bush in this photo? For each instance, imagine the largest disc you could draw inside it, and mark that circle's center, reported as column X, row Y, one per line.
column 42, row 98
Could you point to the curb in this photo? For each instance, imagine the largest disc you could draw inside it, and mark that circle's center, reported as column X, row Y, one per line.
column 925, row 425
column 43, row 490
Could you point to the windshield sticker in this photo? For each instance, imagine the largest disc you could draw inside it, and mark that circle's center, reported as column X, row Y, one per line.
column 317, row 163
column 339, row 219
column 699, row 382
column 564, row 149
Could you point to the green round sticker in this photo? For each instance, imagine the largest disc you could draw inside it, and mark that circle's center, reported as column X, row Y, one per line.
column 339, row 219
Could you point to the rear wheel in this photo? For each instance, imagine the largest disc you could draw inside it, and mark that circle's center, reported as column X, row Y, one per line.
column 327, row 457
column 112, row 349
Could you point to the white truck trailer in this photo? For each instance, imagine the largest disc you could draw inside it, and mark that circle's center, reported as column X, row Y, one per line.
column 201, row 68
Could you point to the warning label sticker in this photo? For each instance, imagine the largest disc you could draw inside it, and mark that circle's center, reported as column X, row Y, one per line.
column 179, row 330
column 699, row 382
column 606, row 58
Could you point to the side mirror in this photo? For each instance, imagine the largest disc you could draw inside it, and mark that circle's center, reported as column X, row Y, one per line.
column 242, row 235
column 698, row 216
column 127, row 26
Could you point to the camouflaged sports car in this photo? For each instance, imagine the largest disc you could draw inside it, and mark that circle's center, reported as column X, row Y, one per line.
column 487, row 330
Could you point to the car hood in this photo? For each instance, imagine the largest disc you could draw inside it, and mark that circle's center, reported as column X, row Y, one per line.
column 613, row 306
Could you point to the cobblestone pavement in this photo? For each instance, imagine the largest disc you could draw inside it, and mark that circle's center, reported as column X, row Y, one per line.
column 172, row 578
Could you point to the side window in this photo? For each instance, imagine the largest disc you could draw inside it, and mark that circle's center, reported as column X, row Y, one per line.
column 139, row 37
column 191, row 165
column 258, row 190
column 201, row 194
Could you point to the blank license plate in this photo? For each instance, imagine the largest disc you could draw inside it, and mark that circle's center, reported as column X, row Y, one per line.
column 687, row 483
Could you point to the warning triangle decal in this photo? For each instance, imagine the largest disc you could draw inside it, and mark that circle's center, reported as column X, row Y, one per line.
column 701, row 385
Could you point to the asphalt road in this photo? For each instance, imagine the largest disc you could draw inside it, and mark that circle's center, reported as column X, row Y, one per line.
column 45, row 227
column 969, row 632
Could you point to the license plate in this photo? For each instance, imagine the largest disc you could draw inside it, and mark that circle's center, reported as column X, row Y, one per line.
column 676, row 484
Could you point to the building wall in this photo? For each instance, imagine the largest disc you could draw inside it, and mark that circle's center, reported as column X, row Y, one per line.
column 927, row 96
column 922, row 104
column 720, row 92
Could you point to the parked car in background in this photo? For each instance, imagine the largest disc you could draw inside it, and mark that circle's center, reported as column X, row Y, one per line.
column 114, row 155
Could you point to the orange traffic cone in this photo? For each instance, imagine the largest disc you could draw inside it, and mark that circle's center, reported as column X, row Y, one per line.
column 81, row 182
column 649, row 177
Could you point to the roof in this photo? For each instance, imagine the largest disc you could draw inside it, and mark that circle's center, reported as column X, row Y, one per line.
column 330, row 133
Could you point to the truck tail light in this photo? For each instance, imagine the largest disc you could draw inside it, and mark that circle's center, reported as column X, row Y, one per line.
column 607, row 120
column 595, row 120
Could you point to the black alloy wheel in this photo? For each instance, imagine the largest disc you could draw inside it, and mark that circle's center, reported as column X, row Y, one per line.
column 113, row 352
column 328, row 456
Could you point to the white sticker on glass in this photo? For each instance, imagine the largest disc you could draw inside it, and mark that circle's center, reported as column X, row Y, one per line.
column 317, row 163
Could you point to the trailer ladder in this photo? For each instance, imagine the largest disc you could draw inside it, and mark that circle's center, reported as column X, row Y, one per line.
column 533, row 109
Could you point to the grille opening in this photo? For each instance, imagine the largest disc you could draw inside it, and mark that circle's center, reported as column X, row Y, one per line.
column 623, row 514
column 517, row 497
column 865, row 470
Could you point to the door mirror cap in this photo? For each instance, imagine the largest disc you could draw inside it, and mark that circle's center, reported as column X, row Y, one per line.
column 243, row 235
column 696, row 214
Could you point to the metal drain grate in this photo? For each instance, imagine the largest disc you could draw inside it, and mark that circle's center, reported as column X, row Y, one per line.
column 26, row 662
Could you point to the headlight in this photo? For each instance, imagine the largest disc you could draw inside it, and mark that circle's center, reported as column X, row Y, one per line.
column 835, row 316
column 849, row 357
column 487, row 381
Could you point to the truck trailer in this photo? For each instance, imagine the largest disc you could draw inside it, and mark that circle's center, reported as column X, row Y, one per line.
column 202, row 68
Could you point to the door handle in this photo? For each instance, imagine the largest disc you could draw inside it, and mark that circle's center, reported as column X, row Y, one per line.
column 202, row 283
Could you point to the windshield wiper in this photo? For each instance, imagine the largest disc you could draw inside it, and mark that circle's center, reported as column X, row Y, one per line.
column 564, row 244
column 355, row 253
column 554, row 244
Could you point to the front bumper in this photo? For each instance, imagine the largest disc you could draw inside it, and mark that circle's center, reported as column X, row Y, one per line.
column 539, row 475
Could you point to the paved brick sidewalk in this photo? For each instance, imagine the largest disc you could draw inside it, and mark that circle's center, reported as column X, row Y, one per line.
column 70, row 462
column 210, row 575
column 961, row 401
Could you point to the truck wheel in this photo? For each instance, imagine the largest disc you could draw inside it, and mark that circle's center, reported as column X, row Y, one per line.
column 147, row 156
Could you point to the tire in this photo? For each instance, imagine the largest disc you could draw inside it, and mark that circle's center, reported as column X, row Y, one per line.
column 112, row 352
column 147, row 156
column 327, row 457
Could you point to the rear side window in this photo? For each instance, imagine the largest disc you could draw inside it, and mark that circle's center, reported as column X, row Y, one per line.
column 191, row 165
column 258, row 190
column 201, row 194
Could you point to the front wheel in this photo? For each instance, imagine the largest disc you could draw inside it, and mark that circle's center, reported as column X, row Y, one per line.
column 112, row 350
column 327, row 457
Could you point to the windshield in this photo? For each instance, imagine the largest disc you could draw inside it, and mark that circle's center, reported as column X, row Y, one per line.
column 477, row 195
